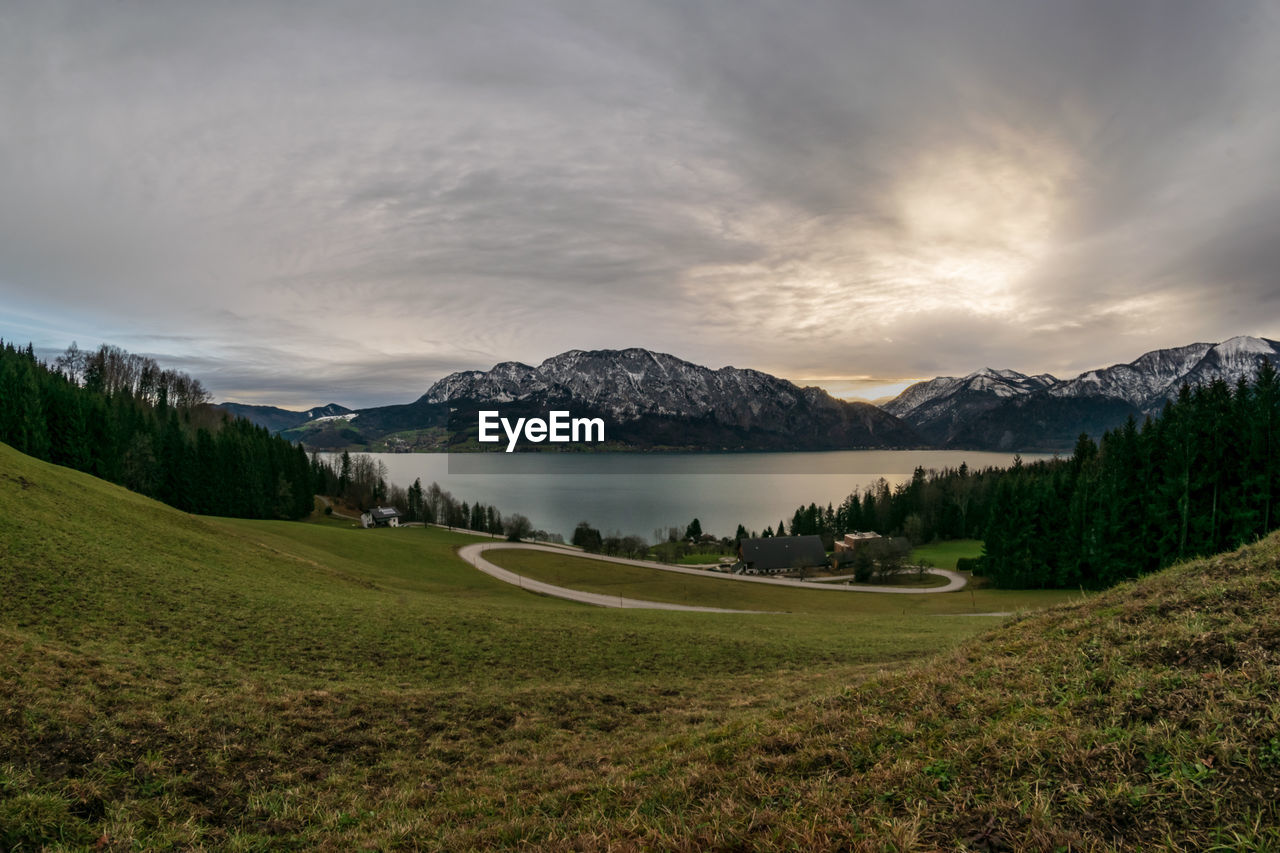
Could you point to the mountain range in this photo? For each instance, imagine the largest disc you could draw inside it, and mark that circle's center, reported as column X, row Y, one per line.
column 648, row 400
column 658, row 397
column 1007, row 410
column 652, row 400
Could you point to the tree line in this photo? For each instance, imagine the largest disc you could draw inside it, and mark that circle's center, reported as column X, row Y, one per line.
column 111, row 370
column 951, row 503
column 361, row 481
column 123, row 419
column 1201, row 477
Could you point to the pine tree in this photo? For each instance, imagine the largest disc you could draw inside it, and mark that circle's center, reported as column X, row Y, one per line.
column 344, row 476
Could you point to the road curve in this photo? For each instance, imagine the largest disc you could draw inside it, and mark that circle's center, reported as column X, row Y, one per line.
column 472, row 554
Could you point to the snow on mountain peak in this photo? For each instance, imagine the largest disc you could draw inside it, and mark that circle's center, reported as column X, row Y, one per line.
column 995, row 373
column 1244, row 345
column 1145, row 383
column 631, row 385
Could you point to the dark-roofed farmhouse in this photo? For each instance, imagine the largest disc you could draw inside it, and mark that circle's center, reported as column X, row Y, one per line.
column 381, row 516
column 776, row 554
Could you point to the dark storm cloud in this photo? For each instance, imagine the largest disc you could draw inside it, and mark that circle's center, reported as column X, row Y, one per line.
column 329, row 199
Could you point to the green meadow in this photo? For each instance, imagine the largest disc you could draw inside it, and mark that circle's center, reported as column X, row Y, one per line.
column 170, row 681
column 863, row 611
column 943, row 555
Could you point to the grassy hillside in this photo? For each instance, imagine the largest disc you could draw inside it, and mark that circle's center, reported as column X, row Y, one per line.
column 175, row 681
column 180, row 680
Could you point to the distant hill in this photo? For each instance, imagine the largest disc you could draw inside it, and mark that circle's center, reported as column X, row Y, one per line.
column 647, row 399
column 1008, row 410
column 278, row 420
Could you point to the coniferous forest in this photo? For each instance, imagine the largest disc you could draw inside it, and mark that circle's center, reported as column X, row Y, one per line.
column 1200, row 478
column 120, row 417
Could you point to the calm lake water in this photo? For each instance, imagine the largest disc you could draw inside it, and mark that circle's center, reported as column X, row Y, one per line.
column 639, row 492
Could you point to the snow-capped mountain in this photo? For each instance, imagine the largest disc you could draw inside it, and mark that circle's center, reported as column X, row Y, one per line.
column 626, row 384
column 1144, row 382
column 652, row 398
column 939, row 407
column 1156, row 376
column 1005, row 409
column 998, row 383
column 1231, row 360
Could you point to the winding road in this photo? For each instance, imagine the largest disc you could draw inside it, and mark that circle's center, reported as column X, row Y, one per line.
column 473, row 554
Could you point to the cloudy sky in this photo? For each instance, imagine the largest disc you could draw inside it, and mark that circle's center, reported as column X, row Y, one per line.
column 304, row 202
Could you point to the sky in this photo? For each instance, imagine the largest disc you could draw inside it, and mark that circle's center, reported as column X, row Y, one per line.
column 301, row 203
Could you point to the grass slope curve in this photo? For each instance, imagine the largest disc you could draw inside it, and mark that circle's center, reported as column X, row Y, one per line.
column 168, row 680
column 172, row 681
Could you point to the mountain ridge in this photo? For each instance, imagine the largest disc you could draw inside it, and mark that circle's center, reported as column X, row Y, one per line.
column 1005, row 409
column 655, row 400
column 277, row 419
column 649, row 400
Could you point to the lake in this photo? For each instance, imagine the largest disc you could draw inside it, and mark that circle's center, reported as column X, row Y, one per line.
column 640, row 492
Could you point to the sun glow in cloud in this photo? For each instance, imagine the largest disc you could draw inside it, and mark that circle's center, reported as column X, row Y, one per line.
column 974, row 222
column 958, row 234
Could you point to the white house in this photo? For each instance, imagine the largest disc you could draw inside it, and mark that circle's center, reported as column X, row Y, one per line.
column 380, row 516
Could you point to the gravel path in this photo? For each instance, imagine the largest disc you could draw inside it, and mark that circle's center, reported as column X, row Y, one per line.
column 473, row 554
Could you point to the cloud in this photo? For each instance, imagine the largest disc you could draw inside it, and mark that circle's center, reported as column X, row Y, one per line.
column 353, row 200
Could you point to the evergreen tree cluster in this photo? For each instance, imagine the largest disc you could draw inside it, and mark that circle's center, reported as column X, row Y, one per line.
column 949, row 504
column 1202, row 478
column 122, row 419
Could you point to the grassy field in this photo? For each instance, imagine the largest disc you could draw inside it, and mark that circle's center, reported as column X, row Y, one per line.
column 590, row 575
column 909, row 578
column 174, row 680
column 706, row 559
column 171, row 681
column 943, row 555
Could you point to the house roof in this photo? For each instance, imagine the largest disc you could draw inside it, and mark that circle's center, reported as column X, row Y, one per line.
column 379, row 512
column 784, row 552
